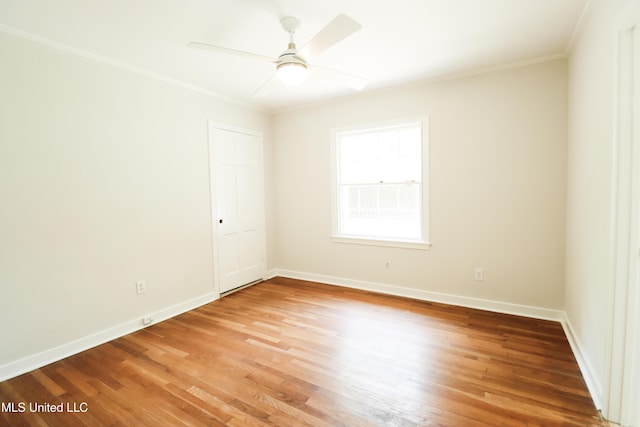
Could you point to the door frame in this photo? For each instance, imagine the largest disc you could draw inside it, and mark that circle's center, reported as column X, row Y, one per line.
column 623, row 366
column 212, row 126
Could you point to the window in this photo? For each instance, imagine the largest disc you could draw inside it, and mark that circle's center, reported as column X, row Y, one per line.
column 380, row 184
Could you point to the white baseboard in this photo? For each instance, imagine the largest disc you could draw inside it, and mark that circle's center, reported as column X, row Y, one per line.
column 29, row 363
column 470, row 302
column 589, row 375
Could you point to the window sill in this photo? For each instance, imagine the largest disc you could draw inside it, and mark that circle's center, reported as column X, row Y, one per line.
column 406, row 244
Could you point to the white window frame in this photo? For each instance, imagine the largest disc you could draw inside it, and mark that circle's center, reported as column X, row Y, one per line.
column 424, row 241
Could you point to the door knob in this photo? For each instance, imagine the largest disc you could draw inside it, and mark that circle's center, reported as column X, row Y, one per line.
column 220, row 221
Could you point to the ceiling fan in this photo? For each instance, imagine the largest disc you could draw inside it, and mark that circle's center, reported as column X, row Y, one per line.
column 291, row 65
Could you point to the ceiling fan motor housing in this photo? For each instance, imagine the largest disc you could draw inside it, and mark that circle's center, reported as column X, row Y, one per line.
column 289, row 56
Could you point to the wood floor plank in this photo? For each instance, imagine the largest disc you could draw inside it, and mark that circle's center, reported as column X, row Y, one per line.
column 294, row 353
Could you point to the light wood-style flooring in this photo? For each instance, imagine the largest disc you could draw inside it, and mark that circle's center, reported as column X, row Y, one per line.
column 294, row 353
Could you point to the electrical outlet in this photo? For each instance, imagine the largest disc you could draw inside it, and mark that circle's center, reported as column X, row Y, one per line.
column 141, row 287
column 479, row 274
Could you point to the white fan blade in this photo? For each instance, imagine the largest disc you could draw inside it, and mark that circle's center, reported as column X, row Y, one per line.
column 228, row 51
column 340, row 28
column 266, row 87
column 348, row 80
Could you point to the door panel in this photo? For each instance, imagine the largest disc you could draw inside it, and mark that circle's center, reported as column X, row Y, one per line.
column 237, row 207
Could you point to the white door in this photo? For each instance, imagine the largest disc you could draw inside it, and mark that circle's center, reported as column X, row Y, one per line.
column 237, row 186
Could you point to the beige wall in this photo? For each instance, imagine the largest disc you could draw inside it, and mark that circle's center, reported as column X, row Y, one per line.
column 498, row 163
column 104, row 180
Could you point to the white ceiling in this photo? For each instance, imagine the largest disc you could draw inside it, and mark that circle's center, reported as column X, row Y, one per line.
column 400, row 41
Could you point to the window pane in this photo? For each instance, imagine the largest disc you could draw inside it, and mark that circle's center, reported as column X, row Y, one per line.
column 389, row 155
column 383, row 210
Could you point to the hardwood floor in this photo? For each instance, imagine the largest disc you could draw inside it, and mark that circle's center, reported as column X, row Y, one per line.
column 293, row 353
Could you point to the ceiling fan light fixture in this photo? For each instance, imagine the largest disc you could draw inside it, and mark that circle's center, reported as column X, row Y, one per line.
column 292, row 73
